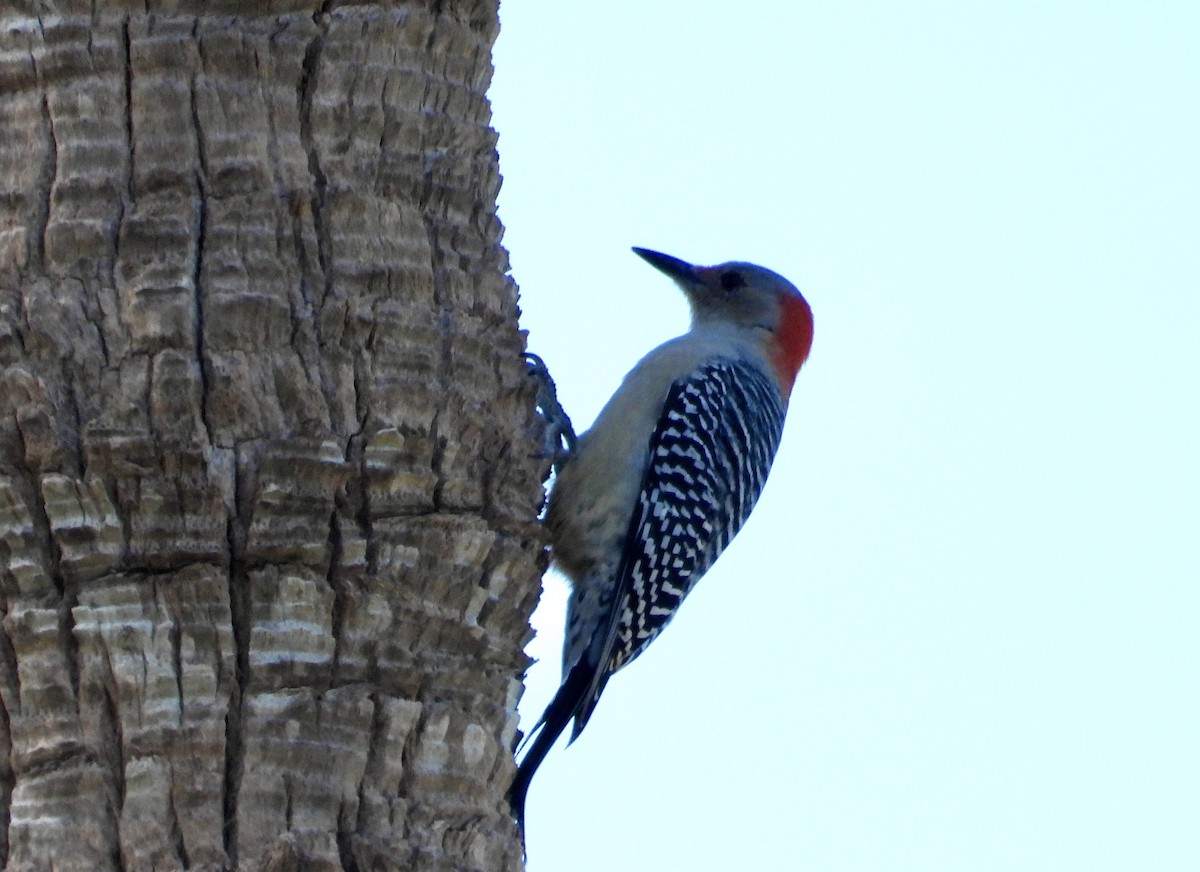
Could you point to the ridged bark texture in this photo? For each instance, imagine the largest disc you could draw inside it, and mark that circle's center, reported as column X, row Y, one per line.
column 268, row 537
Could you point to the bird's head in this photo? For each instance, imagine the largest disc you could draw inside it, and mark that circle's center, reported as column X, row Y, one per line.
column 746, row 295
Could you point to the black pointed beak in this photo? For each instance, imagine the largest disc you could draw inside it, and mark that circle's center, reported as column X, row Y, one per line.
column 680, row 270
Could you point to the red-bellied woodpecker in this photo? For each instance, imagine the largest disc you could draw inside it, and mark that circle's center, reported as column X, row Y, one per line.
column 666, row 476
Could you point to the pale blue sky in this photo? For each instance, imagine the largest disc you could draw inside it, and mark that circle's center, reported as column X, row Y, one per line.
column 961, row 630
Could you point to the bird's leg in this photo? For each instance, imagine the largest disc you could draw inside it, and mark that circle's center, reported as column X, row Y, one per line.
column 558, row 439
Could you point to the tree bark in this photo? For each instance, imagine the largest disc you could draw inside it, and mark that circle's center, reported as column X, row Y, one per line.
column 268, row 539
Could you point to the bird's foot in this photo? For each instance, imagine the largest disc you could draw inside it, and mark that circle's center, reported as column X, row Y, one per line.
column 558, row 439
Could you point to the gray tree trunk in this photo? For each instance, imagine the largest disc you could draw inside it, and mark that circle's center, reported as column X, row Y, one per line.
column 268, row 538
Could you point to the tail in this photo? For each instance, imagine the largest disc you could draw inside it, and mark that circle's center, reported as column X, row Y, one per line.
column 567, row 703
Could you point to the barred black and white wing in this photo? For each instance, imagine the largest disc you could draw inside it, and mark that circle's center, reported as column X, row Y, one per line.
column 709, row 459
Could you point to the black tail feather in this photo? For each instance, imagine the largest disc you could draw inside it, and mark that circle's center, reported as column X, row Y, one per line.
column 565, row 705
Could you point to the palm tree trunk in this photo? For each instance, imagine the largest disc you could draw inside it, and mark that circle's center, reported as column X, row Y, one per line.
column 268, row 537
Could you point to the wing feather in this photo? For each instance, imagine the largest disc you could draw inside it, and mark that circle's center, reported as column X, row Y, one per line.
column 709, row 458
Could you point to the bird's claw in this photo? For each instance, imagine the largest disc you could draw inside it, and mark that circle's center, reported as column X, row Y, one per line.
column 558, row 439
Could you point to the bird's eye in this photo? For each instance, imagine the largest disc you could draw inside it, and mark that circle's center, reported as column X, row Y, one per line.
column 731, row 280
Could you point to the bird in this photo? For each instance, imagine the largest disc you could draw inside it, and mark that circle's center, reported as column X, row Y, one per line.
column 652, row 493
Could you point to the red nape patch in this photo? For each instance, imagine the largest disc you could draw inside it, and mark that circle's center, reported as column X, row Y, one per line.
column 791, row 344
